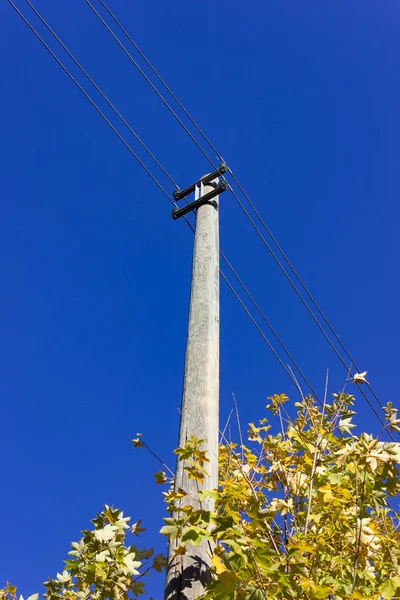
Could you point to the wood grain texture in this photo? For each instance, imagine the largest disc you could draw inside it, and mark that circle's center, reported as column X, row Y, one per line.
column 186, row 575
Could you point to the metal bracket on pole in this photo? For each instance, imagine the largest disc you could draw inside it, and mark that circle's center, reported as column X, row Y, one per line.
column 197, row 187
column 179, row 212
column 179, row 194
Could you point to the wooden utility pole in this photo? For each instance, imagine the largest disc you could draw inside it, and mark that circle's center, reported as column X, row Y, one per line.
column 187, row 574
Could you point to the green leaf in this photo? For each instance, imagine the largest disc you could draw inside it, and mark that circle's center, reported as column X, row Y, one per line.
column 391, row 588
column 91, row 574
column 255, row 594
column 100, row 572
column 226, row 583
column 203, row 494
column 194, row 535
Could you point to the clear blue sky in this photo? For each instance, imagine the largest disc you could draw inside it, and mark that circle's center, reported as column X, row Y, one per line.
column 302, row 100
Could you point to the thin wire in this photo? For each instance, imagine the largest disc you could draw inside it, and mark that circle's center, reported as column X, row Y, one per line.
column 161, row 80
column 233, row 271
column 133, row 61
column 147, row 171
column 266, row 340
column 224, row 258
column 270, row 326
column 187, row 131
column 278, row 262
column 198, row 145
column 92, row 102
column 119, row 136
column 208, row 141
column 303, row 285
column 101, row 93
column 170, row 199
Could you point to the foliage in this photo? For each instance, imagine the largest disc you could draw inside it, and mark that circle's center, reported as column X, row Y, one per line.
column 302, row 513
column 101, row 564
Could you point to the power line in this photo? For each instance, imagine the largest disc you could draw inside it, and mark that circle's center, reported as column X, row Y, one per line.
column 78, row 64
column 167, row 195
column 38, row 14
column 300, row 280
column 208, row 141
column 92, row 102
column 162, row 81
column 133, row 61
column 304, row 302
column 159, row 185
column 150, row 174
column 249, row 295
column 197, row 144
column 269, row 326
column 278, row 262
column 266, row 340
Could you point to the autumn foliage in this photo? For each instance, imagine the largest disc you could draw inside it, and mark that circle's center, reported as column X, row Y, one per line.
column 302, row 513
column 304, row 510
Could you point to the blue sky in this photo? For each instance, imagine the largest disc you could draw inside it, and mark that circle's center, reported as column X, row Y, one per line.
column 301, row 99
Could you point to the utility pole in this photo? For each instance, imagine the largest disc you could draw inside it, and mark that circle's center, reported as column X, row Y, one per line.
column 187, row 574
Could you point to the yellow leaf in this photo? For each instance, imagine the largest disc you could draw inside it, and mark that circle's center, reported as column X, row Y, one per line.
column 160, row 477
column 316, row 518
column 322, row 591
column 218, row 564
column 180, row 550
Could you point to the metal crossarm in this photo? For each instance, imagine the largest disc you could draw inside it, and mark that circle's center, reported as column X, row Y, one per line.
column 179, row 212
column 179, row 194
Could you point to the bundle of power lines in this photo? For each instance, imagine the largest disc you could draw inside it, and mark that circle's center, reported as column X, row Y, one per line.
column 240, row 195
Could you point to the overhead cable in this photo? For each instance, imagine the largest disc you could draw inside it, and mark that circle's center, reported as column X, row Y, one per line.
column 260, row 312
column 92, row 102
column 161, row 80
column 78, row 64
column 133, row 61
column 152, row 177
column 166, row 193
column 174, row 183
column 208, row 141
